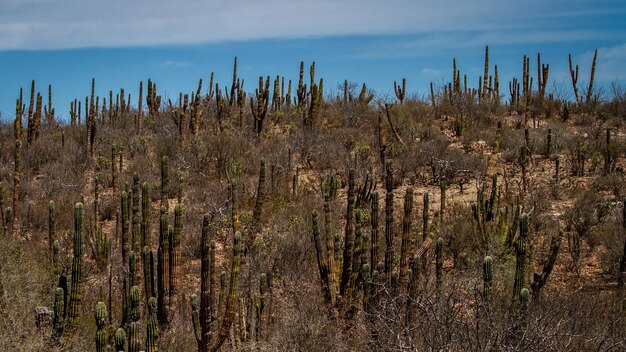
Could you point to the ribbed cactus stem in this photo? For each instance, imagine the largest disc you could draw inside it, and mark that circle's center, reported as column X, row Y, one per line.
column 349, row 237
column 152, row 326
column 132, row 269
column 521, row 247
column 330, row 252
column 145, row 215
column 175, row 240
column 163, row 269
column 135, row 341
column 136, row 216
column 101, row 333
column 120, row 340
column 124, row 220
column 487, row 278
column 321, row 257
column 406, row 240
column 425, row 217
column 59, row 312
column 135, row 297
column 389, row 225
column 75, row 292
column 148, row 272
column 260, row 195
column 523, row 300
column 375, row 241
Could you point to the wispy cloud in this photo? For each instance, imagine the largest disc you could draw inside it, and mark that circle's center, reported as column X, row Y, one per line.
column 173, row 64
column 54, row 24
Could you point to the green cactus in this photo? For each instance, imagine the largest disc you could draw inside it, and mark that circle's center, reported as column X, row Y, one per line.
column 148, row 272
column 102, row 245
column 425, row 217
column 135, row 340
column 523, row 300
column 135, row 216
column 405, row 247
column 162, row 269
column 487, row 278
column 152, row 326
column 101, row 334
column 349, row 238
column 120, row 340
column 77, row 263
column 400, row 91
column 321, row 258
column 124, row 220
column 175, row 236
column 389, row 226
column 521, row 247
column 114, row 167
column 58, row 320
column 260, row 195
column 145, row 214
column 132, row 269
column 135, row 309
column 375, row 242
column 259, row 111
column 211, row 331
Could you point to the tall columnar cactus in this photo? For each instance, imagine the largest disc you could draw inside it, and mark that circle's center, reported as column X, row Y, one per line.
column 405, row 248
column 425, row 217
column 523, row 300
column 592, row 77
column 321, row 258
column 124, row 221
column 439, row 262
column 259, row 110
column 16, row 186
column 58, row 321
column 51, row 225
column 521, row 246
column 349, row 238
column 31, row 111
column 140, row 108
column 260, row 195
column 77, row 263
column 101, row 334
column 152, row 326
column 487, row 278
column 135, row 309
column 389, row 223
column 210, row 329
column 132, row 269
column 115, row 172
column 330, row 251
column 163, row 269
column 102, row 245
column 164, row 182
column 148, row 272
column 375, row 241
column 400, row 90
column 135, row 340
column 145, row 215
column 175, row 239
column 19, row 111
column 136, row 216
column 120, row 340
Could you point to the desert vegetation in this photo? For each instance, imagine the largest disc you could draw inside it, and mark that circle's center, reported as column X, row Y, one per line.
column 297, row 217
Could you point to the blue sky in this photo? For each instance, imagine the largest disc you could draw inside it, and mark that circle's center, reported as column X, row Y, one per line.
column 119, row 42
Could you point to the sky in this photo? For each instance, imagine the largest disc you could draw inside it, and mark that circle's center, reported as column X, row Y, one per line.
column 175, row 43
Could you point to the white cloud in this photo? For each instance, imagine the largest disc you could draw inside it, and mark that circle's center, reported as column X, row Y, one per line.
column 53, row 24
